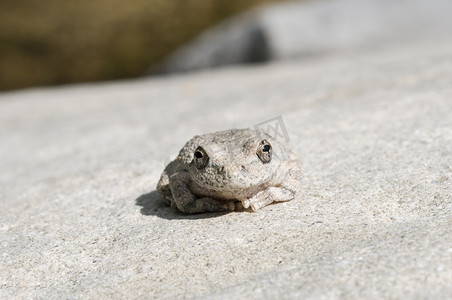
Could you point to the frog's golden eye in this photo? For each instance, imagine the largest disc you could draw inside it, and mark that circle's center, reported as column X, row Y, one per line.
column 200, row 158
column 264, row 151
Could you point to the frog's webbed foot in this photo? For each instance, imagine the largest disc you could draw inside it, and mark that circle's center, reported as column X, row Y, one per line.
column 268, row 196
column 186, row 201
column 284, row 192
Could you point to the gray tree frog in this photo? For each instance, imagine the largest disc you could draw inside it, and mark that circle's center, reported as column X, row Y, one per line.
column 230, row 170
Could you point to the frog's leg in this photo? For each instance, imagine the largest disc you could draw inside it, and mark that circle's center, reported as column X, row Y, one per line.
column 163, row 186
column 186, row 202
column 287, row 190
column 164, row 189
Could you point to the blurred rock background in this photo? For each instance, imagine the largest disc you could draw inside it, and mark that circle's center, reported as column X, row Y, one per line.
column 54, row 42
column 307, row 30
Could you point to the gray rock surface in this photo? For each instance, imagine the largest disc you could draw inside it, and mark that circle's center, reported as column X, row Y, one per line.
column 313, row 28
column 374, row 130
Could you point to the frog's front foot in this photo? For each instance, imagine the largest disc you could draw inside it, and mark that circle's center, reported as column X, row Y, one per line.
column 268, row 196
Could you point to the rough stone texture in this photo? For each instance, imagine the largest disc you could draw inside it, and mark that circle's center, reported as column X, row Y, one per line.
column 374, row 219
column 313, row 28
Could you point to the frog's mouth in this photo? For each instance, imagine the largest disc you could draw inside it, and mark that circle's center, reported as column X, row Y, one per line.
column 234, row 185
column 229, row 188
column 231, row 193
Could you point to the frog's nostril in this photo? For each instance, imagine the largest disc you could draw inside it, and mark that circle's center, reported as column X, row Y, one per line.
column 242, row 168
column 221, row 169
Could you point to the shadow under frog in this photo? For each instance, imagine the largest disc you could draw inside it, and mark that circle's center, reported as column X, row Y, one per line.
column 153, row 204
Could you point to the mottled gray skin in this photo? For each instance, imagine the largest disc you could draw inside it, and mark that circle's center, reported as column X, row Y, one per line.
column 234, row 176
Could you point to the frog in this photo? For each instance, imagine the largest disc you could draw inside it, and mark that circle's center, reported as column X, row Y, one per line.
column 231, row 170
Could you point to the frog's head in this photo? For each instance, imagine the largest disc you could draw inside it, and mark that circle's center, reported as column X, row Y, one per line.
column 233, row 159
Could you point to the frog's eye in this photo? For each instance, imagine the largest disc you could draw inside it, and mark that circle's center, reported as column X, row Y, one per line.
column 264, row 151
column 200, row 158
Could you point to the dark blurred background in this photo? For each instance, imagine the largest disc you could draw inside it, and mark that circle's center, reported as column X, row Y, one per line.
column 53, row 42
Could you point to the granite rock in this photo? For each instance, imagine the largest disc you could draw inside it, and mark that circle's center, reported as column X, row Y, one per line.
column 80, row 219
column 303, row 29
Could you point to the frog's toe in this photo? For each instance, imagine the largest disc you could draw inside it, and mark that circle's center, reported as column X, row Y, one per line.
column 230, row 206
column 246, row 203
column 238, row 206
